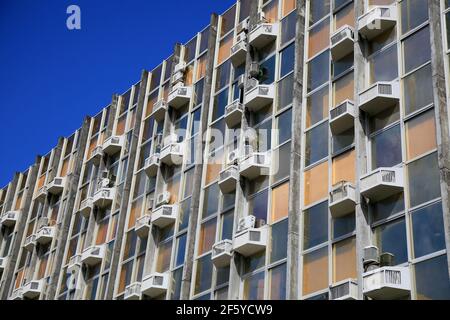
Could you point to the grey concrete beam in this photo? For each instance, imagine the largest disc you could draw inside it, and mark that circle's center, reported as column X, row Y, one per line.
column 198, row 169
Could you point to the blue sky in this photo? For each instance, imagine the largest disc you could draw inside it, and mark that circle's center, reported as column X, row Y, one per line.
column 50, row 77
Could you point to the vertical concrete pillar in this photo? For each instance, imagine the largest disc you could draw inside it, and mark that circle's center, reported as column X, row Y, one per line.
column 8, row 273
column 73, row 179
column 363, row 231
column 441, row 113
column 115, row 257
column 240, row 202
column 198, row 169
column 293, row 253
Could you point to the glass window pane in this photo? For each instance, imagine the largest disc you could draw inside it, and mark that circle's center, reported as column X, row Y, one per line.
column 278, row 283
column 418, row 89
column 344, row 167
column 420, row 134
column 344, row 260
column 387, row 140
column 279, row 241
column 315, row 271
column 316, row 144
column 417, row 49
column 317, row 106
column 428, row 230
column 432, row 280
column 316, row 183
column 391, row 238
column 424, row 180
column 254, row 287
column 280, row 202
column 315, row 225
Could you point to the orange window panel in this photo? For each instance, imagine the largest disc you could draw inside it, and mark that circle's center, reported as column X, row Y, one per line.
column 122, row 279
column 92, row 146
column 280, row 202
column 315, row 271
column 316, row 183
column 214, row 166
column 421, row 134
column 120, row 129
column 207, row 236
column 113, row 227
column 19, row 278
column 164, row 253
column 41, row 181
column 344, row 89
column 18, row 202
column 344, row 260
column 344, row 167
column 65, row 167
column 317, row 106
column 319, row 38
column 173, row 187
column 288, row 6
column 189, row 75
column 135, row 212
column 102, row 231
column 42, row 267
column 346, row 16
column 271, row 12
column 224, row 48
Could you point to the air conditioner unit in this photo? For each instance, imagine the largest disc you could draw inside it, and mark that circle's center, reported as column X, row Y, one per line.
column 180, row 67
column 246, row 223
column 242, row 27
column 233, row 157
column 371, row 255
column 241, row 37
column 104, row 174
column 163, row 198
column 261, row 17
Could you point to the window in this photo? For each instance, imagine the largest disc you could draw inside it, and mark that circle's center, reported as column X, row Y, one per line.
column 317, row 107
column 383, row 65
column 211, row 202
column 227, row 225
column 220, row 102
column 319, row 38
column 203, row 274
column 391, row 238
column 344, row 260
column 207, row 236
column 288, row 28
column 418, row 89
column 285, row 91
column 423, row 177
column 288, row 6
column 164, row 252
column 344, row 226
column 319, row 70
column 344, row 89
column 258, row 205
column 279, row 241
column 181, row 250
column 281, row 168
column 254, row 287
column 414, row 13
column 228, row 21
column 389, row 139
column 278, row 283
column 316, row 144
column 346, row 15
column 428, row 230
column 432, row 280
column 388, row 207
column 344, row 167
column 287, row 60
column 268, row 71
column 315, row 225
column 316, row 183
column 318, row 10
column 420, row 134
column 225, row 48
column 417, row 49
column 280, row 202
column 284, row 126
column 315, row 271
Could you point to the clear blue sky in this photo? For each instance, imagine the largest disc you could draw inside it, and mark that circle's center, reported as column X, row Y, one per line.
column 50, row 77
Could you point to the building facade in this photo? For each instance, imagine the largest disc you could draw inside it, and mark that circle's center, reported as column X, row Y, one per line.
column 293, row 149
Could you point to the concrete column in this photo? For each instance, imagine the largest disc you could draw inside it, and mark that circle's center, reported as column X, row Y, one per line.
column 293, row 252
column 441, row 113
column 73, row 179
column 115, row 257
column 198, row 169
column 241, row 201
column 363, row 231
column 8, row 273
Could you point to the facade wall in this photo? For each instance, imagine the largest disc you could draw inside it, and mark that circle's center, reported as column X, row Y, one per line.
column 278, row 127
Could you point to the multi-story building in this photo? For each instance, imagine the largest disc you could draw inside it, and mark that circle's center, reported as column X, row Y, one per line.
column 290, row 150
